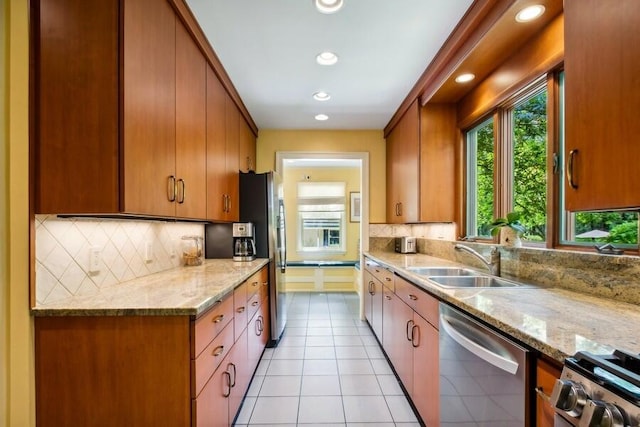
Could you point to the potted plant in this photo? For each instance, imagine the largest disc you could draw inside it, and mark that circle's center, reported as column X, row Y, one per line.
column 509, row 228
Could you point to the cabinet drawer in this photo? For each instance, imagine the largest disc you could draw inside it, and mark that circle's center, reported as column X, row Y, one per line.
column 385, row 276
column 209, row 325
column 422, row 303
column 256, row 281
column 253, row 304
column 240, row 310
column 209, row 360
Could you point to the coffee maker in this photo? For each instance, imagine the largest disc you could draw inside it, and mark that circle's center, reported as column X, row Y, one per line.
column 244, row 247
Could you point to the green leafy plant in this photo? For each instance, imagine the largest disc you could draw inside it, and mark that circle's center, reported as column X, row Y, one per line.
column 512, row 220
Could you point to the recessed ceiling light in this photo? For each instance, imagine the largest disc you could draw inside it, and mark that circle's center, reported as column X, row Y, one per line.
column 328, row 6
column 321, row 96
column 530, row 13
column 322, row 117
column 327, row 58
column 464, row 78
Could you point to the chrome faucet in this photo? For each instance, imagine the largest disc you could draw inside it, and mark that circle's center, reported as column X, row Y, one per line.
column 494, row 261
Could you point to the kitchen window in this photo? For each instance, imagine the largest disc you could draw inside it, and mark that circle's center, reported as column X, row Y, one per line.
column 321, row 217
column 506, row 166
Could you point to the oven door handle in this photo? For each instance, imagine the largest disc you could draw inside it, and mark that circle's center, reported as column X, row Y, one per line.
column 485, row 354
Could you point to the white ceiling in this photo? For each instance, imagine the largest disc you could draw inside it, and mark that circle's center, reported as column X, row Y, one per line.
column 268, row 48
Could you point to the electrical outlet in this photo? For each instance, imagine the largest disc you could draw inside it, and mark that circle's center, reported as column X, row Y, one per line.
column 148, row 252
column 95, row 255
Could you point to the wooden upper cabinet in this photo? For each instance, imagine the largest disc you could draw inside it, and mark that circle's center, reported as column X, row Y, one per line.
column 421, row 165
column 601, row 103
column 403, row 168
column 438, row 133
column 216, row 148
column 75, row 120
column 247, row 157
column 149, row 108
column 191, row 127
column 233, row 119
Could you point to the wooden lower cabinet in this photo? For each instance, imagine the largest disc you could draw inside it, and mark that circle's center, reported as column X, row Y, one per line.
column 546, row 374
column 426, row 371
column 147, row 370
column 373, row 303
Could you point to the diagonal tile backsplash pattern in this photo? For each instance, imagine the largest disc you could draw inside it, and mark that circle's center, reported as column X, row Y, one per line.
column 127, row 249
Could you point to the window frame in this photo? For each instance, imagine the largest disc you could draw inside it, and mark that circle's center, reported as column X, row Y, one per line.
column 342, row 248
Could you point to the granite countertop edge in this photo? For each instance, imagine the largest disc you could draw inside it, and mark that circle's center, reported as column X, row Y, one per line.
column 183, row 291
column 509, row 311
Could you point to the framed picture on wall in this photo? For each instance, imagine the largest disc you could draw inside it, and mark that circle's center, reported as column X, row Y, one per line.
column 354, row 212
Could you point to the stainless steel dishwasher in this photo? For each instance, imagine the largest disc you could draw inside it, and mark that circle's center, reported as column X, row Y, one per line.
column 483, row 375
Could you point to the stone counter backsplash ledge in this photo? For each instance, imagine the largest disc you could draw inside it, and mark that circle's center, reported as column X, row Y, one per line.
column 608, row 276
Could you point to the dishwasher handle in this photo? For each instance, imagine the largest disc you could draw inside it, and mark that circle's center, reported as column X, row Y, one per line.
column 487, row 355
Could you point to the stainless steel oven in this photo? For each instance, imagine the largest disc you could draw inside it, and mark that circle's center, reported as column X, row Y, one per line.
column 483, row 375
column 598, row 391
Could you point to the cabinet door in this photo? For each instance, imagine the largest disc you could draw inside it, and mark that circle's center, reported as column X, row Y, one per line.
column 601, row 104
column 438, row 137
column 232, row 133
column 403, row 168
column 388, row 328
column 76, row 68
column 368, row 296
column 240, row 374
column 426, row 374
column 247, row 156
column 149, row 104
column 211, row 408
column 376, row 308
column 257, row 333
column 403, row 363
column 547, row 375
column 216, row 148
column 191, row 136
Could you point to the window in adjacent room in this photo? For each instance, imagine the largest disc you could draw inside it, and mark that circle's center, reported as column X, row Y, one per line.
column 321, row 216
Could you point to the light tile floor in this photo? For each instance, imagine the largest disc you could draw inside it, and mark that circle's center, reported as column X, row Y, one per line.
column 328, row 370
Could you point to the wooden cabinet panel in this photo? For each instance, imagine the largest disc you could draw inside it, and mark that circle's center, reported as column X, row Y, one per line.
column 247, row 156
column 382, row 274
column 114, row 370
column 373, row 303
column 426, row 371
column 149, row 107
column 211, row 357
column 232, row 126
column 439, row 132
column 72, row 175
column 211, row 408
column 211, row 323
column 241, row 373
column 424, row 304
column 216, row 148
column 547, row 374
column 258, row 335
column 403, row 362
column 240, row 310
column 191, row 136
column 601, row 101
column 403, row 168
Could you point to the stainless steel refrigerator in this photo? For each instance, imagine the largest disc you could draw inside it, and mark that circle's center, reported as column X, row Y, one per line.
column 262, row 203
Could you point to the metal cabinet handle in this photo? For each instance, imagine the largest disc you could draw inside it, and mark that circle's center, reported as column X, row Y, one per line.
column 261, row 325
column 572, row 155
column 540, row 392
column 371, row 288
column 413, row 297
column 400, row 209
column 224, row 203
column 218, row 350
column 254, row 284
column 407, row 328
column 415, row 328
column 228, row 392
column 265, row 283
column 181, row 190
column 218, row 318
column 228, row 203
column 388, row 297
column 241, row 309
column 171, row 188
column 253, row 304
column 388, row 279
column 233, row 382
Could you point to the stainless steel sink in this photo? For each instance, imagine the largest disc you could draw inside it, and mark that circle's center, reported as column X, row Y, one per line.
column 442, row 271
column 474, row 282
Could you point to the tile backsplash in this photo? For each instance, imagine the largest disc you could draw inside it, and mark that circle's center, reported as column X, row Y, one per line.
column 437, row 231
column 126, row 249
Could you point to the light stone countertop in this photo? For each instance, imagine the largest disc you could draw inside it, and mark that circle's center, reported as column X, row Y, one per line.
column 180, row 291
column 554, row 321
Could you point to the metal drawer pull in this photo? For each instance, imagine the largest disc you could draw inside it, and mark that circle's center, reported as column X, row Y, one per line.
column 540, row 392
column 233, row 382
column 265, row 283
column 413, row 336
column 181, row 191
column 241, row 309
column 388, row 279
column 253, row 304
column 228, row 392
column 409, row 322
column 572, row 155
column 171, row 188
column 218, row 318
column 413, row 297
column 254, row 284
column 388, row 297
column 218, row 350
